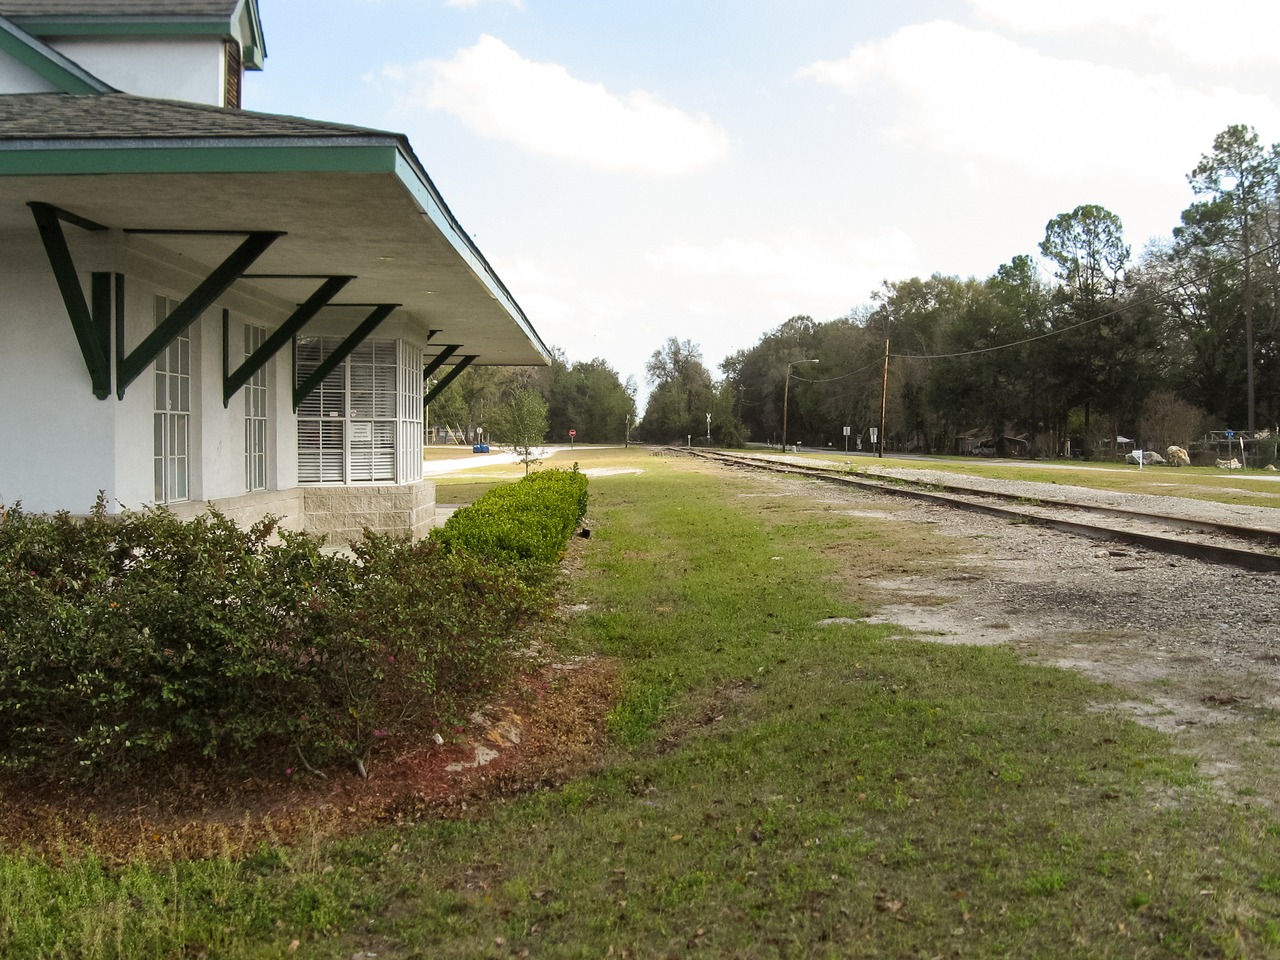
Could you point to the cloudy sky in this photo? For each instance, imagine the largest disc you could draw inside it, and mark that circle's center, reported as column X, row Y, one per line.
column 706, row 169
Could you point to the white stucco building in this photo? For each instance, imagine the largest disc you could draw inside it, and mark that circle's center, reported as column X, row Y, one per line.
column 203, row 305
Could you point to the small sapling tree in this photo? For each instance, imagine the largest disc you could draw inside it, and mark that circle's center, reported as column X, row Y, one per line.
column 523, row 424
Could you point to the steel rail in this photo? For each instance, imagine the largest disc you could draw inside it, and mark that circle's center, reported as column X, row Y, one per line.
column 955, row 497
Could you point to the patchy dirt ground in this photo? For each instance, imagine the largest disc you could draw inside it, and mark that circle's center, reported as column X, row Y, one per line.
column 1194, row 648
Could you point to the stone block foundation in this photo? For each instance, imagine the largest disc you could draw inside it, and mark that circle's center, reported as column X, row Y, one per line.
column 342, row 513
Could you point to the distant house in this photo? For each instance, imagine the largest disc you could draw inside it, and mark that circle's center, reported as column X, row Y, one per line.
column 205, row 306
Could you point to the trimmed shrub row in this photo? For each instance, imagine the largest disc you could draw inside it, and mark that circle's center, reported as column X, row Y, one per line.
column 125, row 638
column 526, row 523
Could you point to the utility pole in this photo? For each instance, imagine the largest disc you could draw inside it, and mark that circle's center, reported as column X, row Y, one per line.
column 786, row 391
column 884, row 396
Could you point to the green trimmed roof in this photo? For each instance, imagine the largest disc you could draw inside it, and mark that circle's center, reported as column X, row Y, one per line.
column 29, row 117
column 228, row 18
column 117, row 8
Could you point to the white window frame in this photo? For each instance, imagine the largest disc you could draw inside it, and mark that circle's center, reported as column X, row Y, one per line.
column 256, row 398
column 171, row 413
column 409, row 363
column 360, row 426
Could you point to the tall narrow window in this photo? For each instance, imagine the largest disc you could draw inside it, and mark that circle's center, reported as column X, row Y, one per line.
column 255, row 415
column 321, row 417
column 171, row 446
column 410, row 412
column 371, row 373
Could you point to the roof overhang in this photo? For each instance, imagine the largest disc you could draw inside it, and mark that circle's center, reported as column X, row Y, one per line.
column 358, row 206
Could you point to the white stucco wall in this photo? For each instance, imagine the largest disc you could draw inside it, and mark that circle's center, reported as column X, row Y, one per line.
column 18, row 78
column 170, row 68
column 51, row 419
column 59, row 445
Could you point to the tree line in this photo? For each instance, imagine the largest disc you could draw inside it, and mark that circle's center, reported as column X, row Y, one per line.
column 532, row 404
column 1159, row 347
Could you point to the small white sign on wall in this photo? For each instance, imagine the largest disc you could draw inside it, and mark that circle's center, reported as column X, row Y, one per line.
column 361, row 431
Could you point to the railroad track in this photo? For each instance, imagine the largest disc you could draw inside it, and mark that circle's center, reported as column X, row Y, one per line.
column 1249, row 548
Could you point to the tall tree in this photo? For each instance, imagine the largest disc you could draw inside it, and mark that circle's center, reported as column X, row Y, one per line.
column 682, row 392
column 588, row 397
column 1087, row 250
column 1237, row 179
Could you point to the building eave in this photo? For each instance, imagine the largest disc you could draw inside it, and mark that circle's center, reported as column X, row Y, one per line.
column 345, row 205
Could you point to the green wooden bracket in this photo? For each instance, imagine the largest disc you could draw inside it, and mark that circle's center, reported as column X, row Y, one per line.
column 358, row 336
column 231, row 382
column 92, row 326
column 447, row 379
column 129, row 367
column 439, row 360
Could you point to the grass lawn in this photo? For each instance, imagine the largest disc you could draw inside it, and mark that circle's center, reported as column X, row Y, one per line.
column 780, row 786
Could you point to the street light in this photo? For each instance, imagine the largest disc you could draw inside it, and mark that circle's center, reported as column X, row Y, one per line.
column 786, row 390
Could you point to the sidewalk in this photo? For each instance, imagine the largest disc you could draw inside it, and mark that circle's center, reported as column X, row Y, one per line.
column 436, row 468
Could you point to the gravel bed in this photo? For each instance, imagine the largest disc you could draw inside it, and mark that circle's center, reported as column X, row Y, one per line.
column 1260, row 518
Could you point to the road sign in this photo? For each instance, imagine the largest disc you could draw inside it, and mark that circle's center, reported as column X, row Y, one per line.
column 573, row 433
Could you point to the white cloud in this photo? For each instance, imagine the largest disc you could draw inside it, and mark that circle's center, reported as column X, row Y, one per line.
column 794, row 272
column 562, row 306
column 975, row 96
column 1226, row 33
column 544, row 109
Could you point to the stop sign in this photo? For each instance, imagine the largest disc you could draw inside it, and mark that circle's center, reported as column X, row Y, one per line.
column 573, row 433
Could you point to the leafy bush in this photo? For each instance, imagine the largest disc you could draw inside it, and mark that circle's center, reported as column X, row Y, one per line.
column 526, row 523
column 122, row 638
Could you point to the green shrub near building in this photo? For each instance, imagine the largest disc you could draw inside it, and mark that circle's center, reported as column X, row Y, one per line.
column 124, row 639
column 525, row 523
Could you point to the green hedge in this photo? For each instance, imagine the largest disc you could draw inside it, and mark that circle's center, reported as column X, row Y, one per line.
column 526, row 523
column 126, row 638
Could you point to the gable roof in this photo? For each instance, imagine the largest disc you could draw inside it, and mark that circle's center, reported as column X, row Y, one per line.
column 222, row 18
column 46, row 62
column 117, row 8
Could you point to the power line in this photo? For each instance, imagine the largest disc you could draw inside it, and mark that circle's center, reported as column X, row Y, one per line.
column 842, row 376
column 1141, row 301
